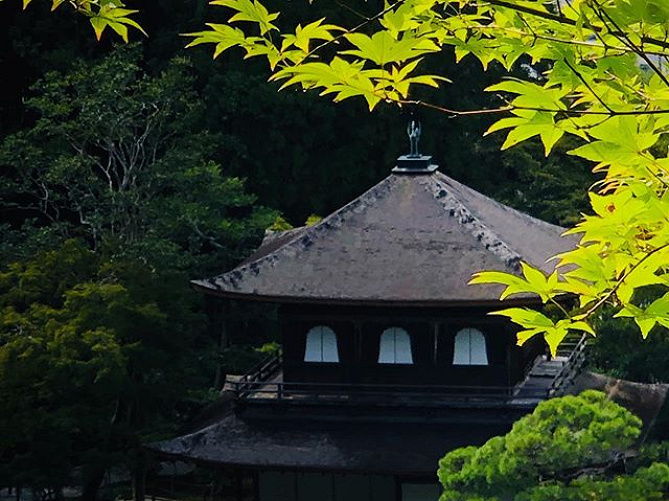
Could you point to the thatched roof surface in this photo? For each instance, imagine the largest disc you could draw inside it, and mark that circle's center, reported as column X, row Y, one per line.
column 384, row 441
column 322, row 445
column 644, row 400
column 411, row 239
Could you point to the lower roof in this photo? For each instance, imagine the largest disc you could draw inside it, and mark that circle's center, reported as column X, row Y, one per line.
column 384, row 442
column 407, row 448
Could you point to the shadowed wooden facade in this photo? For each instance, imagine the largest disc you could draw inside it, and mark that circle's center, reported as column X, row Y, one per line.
column 389, row 359
column 432, row 344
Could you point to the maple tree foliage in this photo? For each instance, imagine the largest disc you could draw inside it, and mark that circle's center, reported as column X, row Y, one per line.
column 596, row 70
column 102, row 14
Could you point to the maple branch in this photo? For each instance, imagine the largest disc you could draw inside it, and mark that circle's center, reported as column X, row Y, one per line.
column 578, row 43
column 601, row 13
column 619, row 283
column 587, row 85
column 512, row 107
column 570, row 22
column 351, row 9
column 367, row 21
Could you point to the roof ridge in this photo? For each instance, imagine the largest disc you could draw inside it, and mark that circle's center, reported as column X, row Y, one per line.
column 499, row 204
column 455, row 207
column 305, row 238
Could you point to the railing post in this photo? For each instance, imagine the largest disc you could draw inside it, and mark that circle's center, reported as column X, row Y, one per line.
column 279, row 391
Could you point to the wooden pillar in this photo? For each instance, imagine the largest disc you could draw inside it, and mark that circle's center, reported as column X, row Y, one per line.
column 256, row 485
column 398, row 489
column 370, row 488
column 217, row 310
column 435, row 340
column 139, row 479
column 509, row 369
column 357, row 329
column 239, row 485
column 296, row 486
column 357, row 334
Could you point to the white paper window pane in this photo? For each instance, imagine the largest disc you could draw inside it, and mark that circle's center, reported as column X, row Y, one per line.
column 461, row 348
column 470, row 348
column 402, row 347
column 477, row 349
column 314, row 349
column 395, row 347
column 330, row 351
column 321, row 345
column 387, row 348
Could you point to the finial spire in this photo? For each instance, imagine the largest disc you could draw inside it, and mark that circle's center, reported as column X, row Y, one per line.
column 414, row 162
column 413, row 131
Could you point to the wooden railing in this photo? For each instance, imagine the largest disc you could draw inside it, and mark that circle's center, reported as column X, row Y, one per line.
column 257, row 386
column 261, row 373
column 338, row 393
column 570, row 369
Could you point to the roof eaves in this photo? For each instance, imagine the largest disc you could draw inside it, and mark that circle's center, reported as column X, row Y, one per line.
column 209, row 287
column 304, row 239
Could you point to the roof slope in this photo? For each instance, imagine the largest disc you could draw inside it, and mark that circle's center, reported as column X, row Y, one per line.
column 360, row 447
column 402, row 441
column 411, row 239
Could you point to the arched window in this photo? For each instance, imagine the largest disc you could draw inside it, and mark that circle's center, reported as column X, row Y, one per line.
column 470, row 348
column 321, row 345
column 395, row 347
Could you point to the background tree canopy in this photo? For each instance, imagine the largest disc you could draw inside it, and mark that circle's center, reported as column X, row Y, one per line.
column 316, row 157
column 113, row 204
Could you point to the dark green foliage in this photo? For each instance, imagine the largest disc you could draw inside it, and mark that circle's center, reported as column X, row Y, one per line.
column 95, row 353
column 300, row 153
column 114, row 206
column 646, row 484
column 620, row 351
column 552, row 188
column 560, row 451
column 120, row 158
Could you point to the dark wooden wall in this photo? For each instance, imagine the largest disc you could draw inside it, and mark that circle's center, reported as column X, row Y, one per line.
column 432, row 335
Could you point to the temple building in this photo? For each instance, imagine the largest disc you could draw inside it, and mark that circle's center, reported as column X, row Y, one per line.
column 389, row 359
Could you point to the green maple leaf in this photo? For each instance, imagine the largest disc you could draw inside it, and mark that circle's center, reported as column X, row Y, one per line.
column 656, row 313
column 533, row 282
column 251, row 11
column 222, row 35
column 536, row 323
column 304, row 35
column 381, row 48
column 115, row 18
